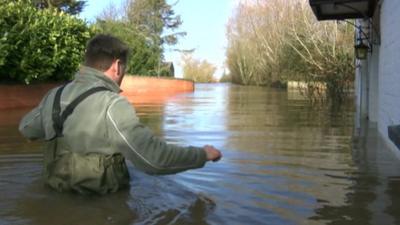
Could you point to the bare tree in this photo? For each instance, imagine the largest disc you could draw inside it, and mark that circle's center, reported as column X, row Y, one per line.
column 272, row 41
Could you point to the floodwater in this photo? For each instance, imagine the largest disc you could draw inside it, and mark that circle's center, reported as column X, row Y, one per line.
column 285, row 162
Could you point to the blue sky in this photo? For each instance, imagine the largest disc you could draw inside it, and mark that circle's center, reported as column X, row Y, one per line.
column 203, row 20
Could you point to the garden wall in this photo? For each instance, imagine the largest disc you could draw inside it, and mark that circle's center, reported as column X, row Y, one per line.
column 137, row 89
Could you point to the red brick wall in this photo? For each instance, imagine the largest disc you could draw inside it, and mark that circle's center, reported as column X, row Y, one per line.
column 153, row 90
column 20, row 96
column 136, row 89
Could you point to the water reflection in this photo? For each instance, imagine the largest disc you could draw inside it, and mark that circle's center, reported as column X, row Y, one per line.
column 285, row 162
column 374, row 194
column 11, row 141
column 393, row 202
column 278, row 151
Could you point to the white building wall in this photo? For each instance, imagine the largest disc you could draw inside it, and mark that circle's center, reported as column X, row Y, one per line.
column 389, row 69
column 373, row 84
column 365, row 82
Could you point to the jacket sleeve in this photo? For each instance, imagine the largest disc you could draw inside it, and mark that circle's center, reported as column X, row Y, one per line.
column 31, row 125
column 146, row 151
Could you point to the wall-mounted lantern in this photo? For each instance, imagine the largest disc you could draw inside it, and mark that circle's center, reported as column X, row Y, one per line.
column 361, row 50
column 362, row 39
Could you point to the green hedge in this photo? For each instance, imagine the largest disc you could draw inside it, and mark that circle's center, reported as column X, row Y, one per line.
column 39, row 45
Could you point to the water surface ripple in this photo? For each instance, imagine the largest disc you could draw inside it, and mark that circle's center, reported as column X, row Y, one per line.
column 285, row 162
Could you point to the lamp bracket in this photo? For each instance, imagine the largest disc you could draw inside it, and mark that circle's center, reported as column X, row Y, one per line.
column 366, row 18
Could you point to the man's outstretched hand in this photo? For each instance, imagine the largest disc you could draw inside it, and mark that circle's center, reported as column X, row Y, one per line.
column 213, row 154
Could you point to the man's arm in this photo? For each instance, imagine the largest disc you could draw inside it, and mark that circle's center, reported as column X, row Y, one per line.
column 146, row 151
column 31, row 125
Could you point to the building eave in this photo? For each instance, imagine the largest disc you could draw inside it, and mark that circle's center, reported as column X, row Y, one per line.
column 342, row 9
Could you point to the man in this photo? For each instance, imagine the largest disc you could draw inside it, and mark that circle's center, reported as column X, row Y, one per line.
column 89, row 129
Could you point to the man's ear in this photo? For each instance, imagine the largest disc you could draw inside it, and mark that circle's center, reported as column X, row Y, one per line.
column 119, row 67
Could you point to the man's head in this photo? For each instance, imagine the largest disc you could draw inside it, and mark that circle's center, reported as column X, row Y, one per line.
column 107, row 54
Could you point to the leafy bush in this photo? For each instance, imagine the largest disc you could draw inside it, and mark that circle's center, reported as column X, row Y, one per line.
column 39, row 45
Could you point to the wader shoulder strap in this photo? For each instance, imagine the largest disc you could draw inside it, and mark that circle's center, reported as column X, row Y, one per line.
column 58, row 117
column 57, row 110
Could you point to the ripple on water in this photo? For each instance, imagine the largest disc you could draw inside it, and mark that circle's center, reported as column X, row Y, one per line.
column 284, row 162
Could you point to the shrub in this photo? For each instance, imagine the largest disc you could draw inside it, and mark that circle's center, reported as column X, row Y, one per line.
column 226, row 78
column 198, row 71
column 39, row 45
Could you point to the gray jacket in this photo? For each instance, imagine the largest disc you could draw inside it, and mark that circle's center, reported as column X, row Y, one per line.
column 105, row 123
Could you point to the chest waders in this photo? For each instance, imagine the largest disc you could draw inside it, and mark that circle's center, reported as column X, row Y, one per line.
column 84, row 173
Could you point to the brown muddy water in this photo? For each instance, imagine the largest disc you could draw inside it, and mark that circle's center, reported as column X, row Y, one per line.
column 284, row 163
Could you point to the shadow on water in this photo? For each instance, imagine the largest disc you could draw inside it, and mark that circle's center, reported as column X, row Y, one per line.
column 39, row 205
column 150, row 200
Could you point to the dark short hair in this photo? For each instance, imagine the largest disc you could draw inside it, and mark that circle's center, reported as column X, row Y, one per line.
column 103, row 49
